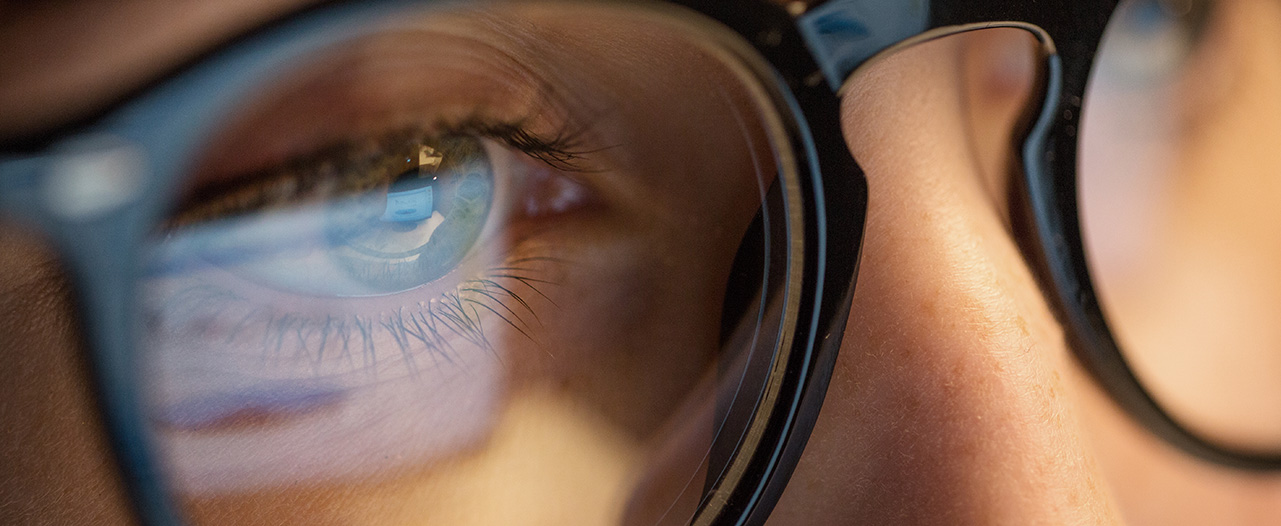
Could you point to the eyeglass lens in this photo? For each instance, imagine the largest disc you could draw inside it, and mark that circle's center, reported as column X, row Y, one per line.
column 508, row 264
column 1178, row 193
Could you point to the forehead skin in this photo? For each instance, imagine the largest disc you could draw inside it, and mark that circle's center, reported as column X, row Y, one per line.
column 63, row 59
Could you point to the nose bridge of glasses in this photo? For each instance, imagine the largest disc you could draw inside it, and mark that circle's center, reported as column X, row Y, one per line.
column 844, row 35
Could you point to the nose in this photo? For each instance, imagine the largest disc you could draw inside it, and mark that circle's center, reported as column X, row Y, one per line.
column 953, row 397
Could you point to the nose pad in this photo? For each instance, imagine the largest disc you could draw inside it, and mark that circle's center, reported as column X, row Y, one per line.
column 952, row 400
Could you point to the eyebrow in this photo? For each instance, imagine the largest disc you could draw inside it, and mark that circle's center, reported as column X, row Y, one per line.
column 63, row 62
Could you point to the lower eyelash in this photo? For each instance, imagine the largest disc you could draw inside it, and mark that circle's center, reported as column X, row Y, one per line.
column 434, row 326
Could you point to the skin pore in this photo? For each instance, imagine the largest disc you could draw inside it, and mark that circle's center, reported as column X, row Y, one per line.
column 955, row 399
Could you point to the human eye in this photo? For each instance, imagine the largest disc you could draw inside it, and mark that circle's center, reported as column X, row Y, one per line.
column 457, row 246
column 394, row 221
column 395, row 217
column 353, row 270
column 364, row 218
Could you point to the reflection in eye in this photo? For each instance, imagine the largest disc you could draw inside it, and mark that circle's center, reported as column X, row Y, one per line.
column 267, row 270
column 417, row 237
column 447, row 318
column 383, row 266
column 375, row 223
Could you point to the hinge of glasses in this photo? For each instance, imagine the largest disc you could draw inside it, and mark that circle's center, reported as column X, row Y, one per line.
column 843, row 34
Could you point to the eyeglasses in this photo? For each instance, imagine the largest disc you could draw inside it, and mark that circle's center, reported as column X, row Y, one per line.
column 595, row 257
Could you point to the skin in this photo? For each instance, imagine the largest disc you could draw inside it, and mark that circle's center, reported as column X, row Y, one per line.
column 1205, row 241
column 955, row 398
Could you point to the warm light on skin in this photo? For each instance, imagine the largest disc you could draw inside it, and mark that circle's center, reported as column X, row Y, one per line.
column 955, row 399
column 625, row 324
column 628, row 313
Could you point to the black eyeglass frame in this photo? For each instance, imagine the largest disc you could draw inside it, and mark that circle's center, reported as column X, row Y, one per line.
column 100, row 248
column 1046, row 197
column 807, row 73
column 1050, row 215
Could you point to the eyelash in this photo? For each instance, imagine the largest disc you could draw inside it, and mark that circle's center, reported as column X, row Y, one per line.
column 451, row 312
column 561, row 151
column 458, row 313
column 432, row 323
column 294, row 180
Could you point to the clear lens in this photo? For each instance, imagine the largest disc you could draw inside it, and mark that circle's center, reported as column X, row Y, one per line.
column 1178, row 194
column 512, row 264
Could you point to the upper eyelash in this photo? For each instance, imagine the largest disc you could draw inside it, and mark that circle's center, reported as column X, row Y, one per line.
column 338, row 167
column 561, row 151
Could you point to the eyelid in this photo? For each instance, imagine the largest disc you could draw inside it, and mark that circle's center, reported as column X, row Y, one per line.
column 528, row 188
column 416, row 77
column 332, row 169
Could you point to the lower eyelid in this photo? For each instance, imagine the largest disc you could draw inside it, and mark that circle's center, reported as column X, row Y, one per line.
column 498, row 282
column 232, row 330
column 527, row 192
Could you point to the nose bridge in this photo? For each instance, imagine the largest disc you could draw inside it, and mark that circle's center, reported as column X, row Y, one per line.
column 952, row 400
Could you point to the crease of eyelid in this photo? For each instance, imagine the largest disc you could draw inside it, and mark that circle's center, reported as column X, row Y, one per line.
column 297, row 180
column 531, row 100
column 530, row 53
column 518, row 50
column 500, row 43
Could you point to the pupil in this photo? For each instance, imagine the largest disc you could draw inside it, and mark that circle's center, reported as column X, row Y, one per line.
column 409, row 198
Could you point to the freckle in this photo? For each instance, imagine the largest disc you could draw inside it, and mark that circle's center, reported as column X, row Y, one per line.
column 1022, row 324
column 929, row 306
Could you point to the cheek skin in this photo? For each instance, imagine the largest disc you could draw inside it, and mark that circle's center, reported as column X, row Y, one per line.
column 954, row 398
column 55, row 465
column 1157, row 484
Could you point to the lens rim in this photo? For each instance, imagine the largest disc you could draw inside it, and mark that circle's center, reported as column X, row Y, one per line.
column 1050, row 214
column 168, row 120
column 96, row 247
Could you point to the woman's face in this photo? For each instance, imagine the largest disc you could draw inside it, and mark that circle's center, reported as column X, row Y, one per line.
column 955, row 396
